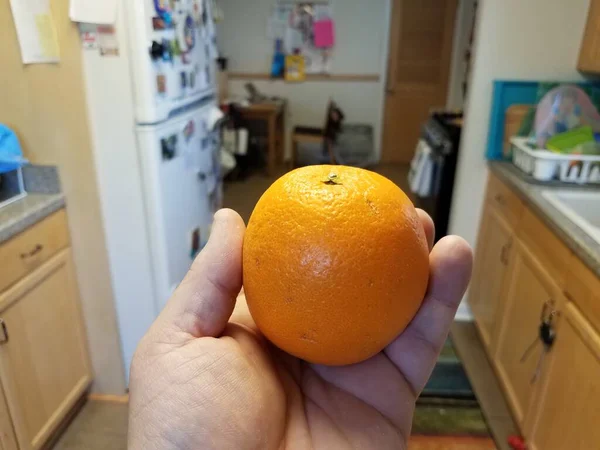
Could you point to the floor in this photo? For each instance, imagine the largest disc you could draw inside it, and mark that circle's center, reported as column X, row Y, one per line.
column 103, row 426
column 485, row 384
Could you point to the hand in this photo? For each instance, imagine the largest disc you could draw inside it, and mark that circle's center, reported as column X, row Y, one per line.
column 204, row 376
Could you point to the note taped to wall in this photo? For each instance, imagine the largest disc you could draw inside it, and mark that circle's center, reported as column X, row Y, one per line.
column 47, row 36
column 36, row 31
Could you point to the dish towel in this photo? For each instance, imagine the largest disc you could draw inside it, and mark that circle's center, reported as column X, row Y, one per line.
column 420, row 175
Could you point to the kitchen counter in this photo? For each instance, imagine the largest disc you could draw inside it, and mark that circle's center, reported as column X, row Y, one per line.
column 577, row 240
column 23, row 213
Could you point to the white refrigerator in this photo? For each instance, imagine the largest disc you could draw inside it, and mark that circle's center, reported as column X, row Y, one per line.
column 152, row 112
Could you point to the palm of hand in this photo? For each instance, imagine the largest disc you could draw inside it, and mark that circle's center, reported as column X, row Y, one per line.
column 190, row 390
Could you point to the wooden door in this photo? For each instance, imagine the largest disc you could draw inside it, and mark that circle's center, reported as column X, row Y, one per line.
column 491, row 262
column 8, row 440
column 589, row 53
column 419, row 60
column 44, row 365
column 529, row 287
column 569, row 404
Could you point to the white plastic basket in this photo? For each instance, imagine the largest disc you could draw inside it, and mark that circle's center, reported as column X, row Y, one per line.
column 545, row 165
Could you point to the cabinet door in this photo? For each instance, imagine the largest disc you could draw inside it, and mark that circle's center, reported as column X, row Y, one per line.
column 589, row 54
column 8, row 441
column 493, row 250
column 44, row 366
column 569, row 405
column 529, row 287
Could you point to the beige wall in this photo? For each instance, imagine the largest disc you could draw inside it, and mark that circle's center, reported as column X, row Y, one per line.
column 45, row 105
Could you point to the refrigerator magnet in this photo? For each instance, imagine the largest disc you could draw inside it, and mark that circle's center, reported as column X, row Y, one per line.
column 189, row 130
column 158, row 23
column 164, row 8
column 161, row 83
column 167, row 54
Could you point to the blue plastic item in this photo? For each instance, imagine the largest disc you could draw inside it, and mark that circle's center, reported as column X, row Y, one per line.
column 508, row 93
column 11, row 156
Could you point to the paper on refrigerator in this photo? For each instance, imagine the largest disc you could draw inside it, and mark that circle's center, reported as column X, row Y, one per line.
column 101, row 12
column 36, row 31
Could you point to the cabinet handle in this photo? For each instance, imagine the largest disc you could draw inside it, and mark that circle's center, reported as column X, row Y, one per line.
column 505, row 252
column 38, row 248
column 3, row 332
column 500, row 199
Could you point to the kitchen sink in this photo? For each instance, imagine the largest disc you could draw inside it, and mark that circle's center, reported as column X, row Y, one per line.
column 580, row 207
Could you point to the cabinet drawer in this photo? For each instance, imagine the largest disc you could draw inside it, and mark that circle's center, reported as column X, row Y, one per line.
column 26, row 251
column 504, row 200
column 543, row 241
column 582, row 287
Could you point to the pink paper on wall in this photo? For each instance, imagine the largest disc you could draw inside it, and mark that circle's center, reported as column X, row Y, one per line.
column 324, row 33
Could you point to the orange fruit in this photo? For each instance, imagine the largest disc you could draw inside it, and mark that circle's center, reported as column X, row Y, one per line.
column 336, row 263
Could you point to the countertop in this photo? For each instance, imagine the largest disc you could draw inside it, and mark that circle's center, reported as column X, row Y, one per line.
column 23, row 213
column 577, row 240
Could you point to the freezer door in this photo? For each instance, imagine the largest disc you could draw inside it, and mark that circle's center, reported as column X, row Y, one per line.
column 173, row 52
column 180, row 181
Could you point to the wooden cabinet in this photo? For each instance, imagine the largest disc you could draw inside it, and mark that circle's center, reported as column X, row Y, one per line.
column 570, row 400
column 492, row 258
column 529, row 289
column 8, row 440
column 502, row 213
column 523, row 271
column 44, row 364
column 589, row 53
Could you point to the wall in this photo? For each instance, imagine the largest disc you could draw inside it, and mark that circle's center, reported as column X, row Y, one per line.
column 45, row 105
column 361, row 29
column 462, row 35
column 515, row 39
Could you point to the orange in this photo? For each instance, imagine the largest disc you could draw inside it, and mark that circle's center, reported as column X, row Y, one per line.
column 336, row 263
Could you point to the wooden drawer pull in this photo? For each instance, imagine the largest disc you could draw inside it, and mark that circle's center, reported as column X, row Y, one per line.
column 38, row 248
column 500, row 199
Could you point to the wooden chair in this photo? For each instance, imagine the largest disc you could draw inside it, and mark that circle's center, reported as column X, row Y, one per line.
column 314, row 135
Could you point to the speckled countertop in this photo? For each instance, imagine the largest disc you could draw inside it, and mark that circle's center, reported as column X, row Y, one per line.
column 587, row 249
column 23, row 213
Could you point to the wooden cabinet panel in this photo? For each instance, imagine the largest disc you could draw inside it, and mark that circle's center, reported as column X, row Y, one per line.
column 569, row 405
column 583, row 288
column 528, row 288
column 26, row 251
column 546, row 245
column 44, row 365
column 498, row 195
column 8, row 440
column 589, row 54
column 491, row 261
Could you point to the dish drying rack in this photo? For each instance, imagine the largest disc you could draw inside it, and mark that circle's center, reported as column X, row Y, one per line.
column 545, row 165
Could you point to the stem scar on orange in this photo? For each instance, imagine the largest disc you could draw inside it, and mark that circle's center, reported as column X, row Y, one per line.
column 336, row 263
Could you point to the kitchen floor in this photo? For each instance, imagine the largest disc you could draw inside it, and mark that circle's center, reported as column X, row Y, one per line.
column 102, row 425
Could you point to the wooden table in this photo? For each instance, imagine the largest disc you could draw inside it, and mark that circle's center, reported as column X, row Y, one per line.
column 273, row 113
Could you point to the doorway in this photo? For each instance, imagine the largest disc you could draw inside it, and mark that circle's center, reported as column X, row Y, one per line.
column 420, row 55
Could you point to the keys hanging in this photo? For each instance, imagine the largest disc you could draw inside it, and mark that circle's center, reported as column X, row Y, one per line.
column 546, row 337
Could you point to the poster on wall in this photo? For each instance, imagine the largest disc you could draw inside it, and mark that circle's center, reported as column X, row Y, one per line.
column 306, row 29
column 36, row 31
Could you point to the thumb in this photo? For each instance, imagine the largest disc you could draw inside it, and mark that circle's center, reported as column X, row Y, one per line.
column 204, row 301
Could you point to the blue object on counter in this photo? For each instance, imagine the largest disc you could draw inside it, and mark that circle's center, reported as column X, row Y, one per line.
column 11, row 156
